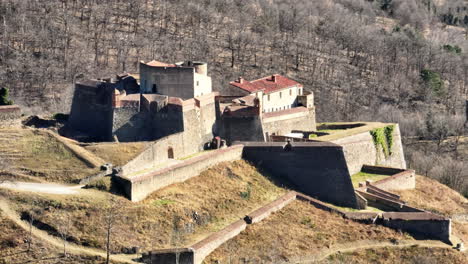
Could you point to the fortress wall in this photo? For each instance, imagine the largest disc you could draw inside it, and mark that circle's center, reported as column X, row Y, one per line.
column 263, row 212
column 169, row 256
column 131, row 125
column 9, row 115
column 284, row 124
column 142, row 186
column 317, row 169
column 424, row 223
column 241, row 129
column 360, row 149
column 171, row 81
column 91, row 110
column 405, row 180
column 157, row 154
column 207, row 245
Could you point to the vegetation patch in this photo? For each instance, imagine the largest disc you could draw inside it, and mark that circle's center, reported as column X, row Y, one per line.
column 102, row 184
column 117, row 153
column 363, row 176
column 383, row 139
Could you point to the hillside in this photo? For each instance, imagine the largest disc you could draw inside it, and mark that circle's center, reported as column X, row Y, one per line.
column 34, row 155
column 217, row 197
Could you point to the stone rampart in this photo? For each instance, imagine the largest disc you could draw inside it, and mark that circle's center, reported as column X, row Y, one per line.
column 261, row 213
column 9, row 115
column 405, row 180
column 141, row 185
column 318, row 169
column 212, row 242
column 360, row 149
column 283, row 122
column 423, row 223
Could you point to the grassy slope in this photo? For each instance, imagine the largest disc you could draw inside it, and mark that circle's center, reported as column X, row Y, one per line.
column 117, row 153
column 298, row 230
column 363, row 176
column 215, row 196
column 436, row 197
column 13, row 248
column 40, row 155
column 409, row 255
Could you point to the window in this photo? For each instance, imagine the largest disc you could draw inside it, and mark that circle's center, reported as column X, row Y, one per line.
column 290, row 92
column 280, row 94
column 170, row 153
column 268, row 97
column 198, row 83
column 300, row 91
column 154, row 88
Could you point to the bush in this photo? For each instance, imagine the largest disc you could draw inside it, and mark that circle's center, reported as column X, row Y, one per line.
column 4, row 100
column 102, row 184
column 60, row 117
column 434, row 82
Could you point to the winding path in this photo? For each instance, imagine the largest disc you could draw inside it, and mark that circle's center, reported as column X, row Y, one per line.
column 71, row 248
column 41, row 187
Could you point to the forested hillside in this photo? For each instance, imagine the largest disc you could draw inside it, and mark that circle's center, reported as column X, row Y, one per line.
column 356, row 55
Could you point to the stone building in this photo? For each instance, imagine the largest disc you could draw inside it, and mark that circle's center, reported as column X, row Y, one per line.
column 172, row 98
column 273, row 105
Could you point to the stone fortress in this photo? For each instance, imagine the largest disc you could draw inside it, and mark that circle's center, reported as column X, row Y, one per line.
column 269, row 122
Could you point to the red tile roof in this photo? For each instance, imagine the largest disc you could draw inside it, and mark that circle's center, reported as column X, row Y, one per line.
column 268, row 84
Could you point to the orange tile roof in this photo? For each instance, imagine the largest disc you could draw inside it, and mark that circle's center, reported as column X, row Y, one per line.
column 156, row 63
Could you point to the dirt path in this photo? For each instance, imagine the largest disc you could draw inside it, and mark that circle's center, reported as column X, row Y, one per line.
column 71, row 248
column 41, row 187
column 367, row 244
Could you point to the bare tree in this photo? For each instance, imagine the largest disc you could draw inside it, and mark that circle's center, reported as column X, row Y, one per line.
column 111, row 213
column 64, row 225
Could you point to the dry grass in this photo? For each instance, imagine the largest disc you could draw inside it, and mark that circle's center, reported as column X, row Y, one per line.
column 297, row 230
column 39, row 154
column 217, row 196
column 434, row 196
column 13, row 248
column 408, row 255
column 117, row 153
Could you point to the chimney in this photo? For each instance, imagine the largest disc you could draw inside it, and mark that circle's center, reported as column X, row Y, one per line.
column 240, row 80
column 273, row 78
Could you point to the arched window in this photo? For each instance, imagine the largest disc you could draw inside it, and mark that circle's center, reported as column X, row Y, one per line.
column 170, row 153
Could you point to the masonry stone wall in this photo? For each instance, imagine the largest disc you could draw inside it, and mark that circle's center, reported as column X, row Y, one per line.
column 91, row 110
column 140, row 186
column 317, row 169
column 424, row 223
column 207, row 245
column 129, row 125
column 405, row 180
column 360, row 149
column 282, row 125
column 158, row 153
column 241, row 129
column 9, row 115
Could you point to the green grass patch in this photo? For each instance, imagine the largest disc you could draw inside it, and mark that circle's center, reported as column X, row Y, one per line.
column 162, row 202
column 363, row 176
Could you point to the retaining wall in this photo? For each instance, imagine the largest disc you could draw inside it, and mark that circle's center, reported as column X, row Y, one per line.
column 405, row 180
column 262, row 213
column 207, row 245
column 359, row 149
column 317, row 169
column 9, row 115
column 424, row 223
column 140, row 186
column 299, row 118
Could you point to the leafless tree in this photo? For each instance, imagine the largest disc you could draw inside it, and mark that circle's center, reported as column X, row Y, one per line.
column 63, row 228
column 112, row 213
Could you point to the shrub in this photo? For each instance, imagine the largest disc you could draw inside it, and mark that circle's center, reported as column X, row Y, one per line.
column 103, row 184
column 4, row 100
column 60, row 117
column 434, row 82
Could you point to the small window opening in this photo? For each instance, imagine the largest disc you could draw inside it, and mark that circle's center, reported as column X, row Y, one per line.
column 170, row 153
